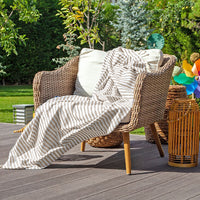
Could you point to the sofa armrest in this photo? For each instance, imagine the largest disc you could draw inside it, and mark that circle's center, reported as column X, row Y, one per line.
column 60, row 82
column 150, row 95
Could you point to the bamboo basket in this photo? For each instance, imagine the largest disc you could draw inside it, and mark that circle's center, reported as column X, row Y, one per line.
column 175, row 91
column 183, row 144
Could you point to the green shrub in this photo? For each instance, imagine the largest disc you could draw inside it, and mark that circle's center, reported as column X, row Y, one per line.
column 178, row 24
column 69, row 48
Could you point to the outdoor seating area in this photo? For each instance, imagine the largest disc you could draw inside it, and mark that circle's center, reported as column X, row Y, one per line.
column 98, row 173
column 149, row 97
column 100, row 100
column 85, row 172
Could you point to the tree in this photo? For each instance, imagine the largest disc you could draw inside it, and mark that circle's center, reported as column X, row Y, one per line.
column 44, row 35
column 9, row 33
column 133, row 19
column 81, row 16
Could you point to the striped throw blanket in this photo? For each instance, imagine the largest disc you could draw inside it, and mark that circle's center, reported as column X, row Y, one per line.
column 63, row 122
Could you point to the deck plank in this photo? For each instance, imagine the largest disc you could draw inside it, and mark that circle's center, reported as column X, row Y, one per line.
column 98, row 173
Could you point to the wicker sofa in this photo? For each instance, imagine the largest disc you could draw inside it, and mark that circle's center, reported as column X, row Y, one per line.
column 149, row 97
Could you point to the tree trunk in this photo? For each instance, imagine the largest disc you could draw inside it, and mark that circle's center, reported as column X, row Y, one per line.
column 3, row 82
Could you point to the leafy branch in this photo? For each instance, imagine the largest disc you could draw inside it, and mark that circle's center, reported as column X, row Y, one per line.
column 82, row 16
column 9, row 33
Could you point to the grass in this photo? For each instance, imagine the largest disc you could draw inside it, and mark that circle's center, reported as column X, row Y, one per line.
column 11, row 95
column 139, row 131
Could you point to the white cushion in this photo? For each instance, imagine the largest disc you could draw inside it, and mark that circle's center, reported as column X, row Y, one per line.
column 153, row 58
column 90, row 65
column 89, row 69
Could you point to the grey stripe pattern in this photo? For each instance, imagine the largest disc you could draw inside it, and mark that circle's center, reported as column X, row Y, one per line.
column 63, row 122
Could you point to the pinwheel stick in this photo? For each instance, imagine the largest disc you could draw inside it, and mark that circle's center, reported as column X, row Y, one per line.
column 192, row 95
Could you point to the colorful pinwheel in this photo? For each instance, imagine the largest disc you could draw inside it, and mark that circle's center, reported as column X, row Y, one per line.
column 189, row 80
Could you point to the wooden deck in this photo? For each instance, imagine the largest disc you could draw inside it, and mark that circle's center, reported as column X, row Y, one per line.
column 99, row 174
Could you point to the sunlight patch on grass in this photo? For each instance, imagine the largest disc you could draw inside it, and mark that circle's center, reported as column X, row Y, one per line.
column 139, row 131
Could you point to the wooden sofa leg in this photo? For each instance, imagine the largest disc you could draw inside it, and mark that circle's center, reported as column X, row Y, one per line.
column 127, row 152
column 157, row 140
column 83, row 146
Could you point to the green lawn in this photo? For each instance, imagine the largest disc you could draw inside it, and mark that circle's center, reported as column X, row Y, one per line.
column 11, row 95
column 139, row 131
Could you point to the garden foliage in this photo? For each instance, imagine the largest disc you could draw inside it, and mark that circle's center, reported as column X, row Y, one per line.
column 179, row 23
column 103, row 14
column 89, row 24
column 43, row 38
column 81, row 16
column 69, row 48
column 132, row 22
column 9, row 33
column 107, row 32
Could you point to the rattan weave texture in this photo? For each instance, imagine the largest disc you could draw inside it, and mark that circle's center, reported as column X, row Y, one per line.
column 60, row 82
column 183, row 144
column 175, row 91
